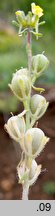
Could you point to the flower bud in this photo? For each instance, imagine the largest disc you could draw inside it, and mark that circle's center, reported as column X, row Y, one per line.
column 20, row 15
column 29, row 18
column 38, row 105
column 15, row 127
column 39, row 63
column 34, row 142
column 33, row 22
column 20, row 84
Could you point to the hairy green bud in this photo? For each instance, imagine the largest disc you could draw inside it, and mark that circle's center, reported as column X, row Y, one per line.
column 20, row 84
column 34, row 142
column 39, row 64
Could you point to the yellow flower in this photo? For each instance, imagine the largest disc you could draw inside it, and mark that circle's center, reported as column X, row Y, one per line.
column 36, row 10
column 19, row 12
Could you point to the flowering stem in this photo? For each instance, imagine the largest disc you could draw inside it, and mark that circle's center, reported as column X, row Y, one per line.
column 26, row 105
column 25, row 191
column 37, row 28
column 26, row 102
column 29, row 50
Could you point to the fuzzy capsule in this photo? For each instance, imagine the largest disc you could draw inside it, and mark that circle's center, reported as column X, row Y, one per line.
column 15, row 127
column 28, row 174
column 20, row 84
column 39, row 63
column 38, row 106
column 34, row 142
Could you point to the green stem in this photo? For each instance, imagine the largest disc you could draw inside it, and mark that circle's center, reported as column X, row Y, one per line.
column 29, row 50
column 26, row 101
column 25, row 191
column 37, row 30
column 26, row 106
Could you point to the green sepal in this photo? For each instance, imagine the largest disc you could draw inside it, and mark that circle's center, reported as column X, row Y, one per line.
column 24, row 177
column 22, row 32
column 38, row 89
column 15, row 23
column 41, row 23
column 36, row 34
